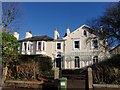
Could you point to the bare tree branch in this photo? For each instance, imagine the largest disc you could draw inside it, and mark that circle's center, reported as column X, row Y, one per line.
column 11, row 13
column 110, row 22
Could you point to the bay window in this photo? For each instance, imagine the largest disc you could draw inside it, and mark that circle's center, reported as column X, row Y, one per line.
column 40, row 46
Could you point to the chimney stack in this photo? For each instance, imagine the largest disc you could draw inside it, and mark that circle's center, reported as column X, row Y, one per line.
column 28, row 34
column 56, row 34
column 16, row 35
column 68, row 31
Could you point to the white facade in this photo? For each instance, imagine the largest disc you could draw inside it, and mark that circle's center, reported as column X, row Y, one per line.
column 76, row 50
column 81, row 48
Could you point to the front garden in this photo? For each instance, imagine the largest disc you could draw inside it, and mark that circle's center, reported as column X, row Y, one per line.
column 107, row 72
column 30, row 68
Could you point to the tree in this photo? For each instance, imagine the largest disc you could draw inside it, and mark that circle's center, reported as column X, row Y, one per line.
column 9, row 51
column 9, row 48
column 107, row 26
column 10, row 15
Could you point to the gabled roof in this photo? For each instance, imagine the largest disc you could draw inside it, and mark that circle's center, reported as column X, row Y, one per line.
column 38, row 38
column 88, row 27
column 83, row 26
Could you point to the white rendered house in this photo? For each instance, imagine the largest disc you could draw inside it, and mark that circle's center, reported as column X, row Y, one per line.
column 76, row 49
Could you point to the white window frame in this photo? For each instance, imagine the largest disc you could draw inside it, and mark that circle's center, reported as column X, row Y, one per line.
column 28, row 45
column 23, row 46
column 92, row 43
column 41, row 46
column 74, row 45
column 19, row 47
column 93, row 57
column 78, row 62
column 37, row 46
column 31, row 47
column 60, row 45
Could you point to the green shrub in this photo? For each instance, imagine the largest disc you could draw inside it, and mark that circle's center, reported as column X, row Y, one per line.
column 107, row 71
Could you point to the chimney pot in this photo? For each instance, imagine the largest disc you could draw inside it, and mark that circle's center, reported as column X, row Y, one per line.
column 16, row 35
column 28, row 34
column 68, row 31
column 56, row 34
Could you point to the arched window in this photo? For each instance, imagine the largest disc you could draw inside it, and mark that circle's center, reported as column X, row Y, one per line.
column 95, row 59
column 85, row 33
column 77, row 62
column 58, row 54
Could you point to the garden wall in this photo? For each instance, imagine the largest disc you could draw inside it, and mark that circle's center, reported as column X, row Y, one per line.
column 106, row 87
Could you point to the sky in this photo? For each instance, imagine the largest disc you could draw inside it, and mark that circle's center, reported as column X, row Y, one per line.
column 41, row 18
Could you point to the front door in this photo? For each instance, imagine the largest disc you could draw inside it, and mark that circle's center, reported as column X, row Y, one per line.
column 58, row 63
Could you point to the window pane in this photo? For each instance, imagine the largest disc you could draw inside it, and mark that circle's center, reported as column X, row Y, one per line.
column 43, row 46
column 95, row 59
column 95, row 43
column 77, row 62
column 58, row 63
column 39, row 46
column 58, row 45
column 76, row 44
column 25, row 46
column 85, row 33
column 31, row 47
column 28, row 47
